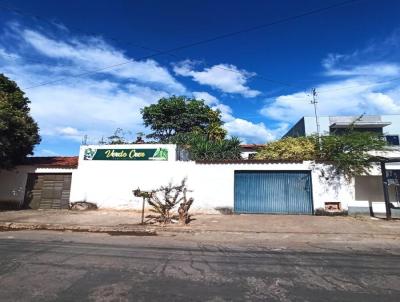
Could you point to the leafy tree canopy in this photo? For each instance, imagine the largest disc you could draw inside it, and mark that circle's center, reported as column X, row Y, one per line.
column 349, row 153
column 18, row 131
column 201, row 147
column 289, row 148
column 180, row 115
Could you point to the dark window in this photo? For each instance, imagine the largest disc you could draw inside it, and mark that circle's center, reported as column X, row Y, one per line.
column 340, row 131
column 392, row 140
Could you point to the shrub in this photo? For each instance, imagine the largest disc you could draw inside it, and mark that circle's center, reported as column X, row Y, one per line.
column 289, row 148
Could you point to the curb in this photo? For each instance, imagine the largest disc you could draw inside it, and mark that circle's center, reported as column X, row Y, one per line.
column 132, row 230
column 139, row 230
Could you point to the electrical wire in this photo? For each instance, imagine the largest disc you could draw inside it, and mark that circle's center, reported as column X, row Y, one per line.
column 200, row 42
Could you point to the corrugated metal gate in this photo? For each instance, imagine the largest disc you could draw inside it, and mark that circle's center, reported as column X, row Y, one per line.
column 280, row 192
column 48, row 191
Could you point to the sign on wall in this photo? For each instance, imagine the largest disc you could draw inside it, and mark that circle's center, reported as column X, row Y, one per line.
column 125, row 154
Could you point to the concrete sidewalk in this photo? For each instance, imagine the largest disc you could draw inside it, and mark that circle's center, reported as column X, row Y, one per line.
column 111, row 221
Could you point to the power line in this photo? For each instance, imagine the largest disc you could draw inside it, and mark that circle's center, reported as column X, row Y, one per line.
column 205, row 41
column 131, row 44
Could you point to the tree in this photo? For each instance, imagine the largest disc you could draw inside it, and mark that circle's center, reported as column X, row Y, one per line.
column 348, row 153
column 19, row 133
column 289, row 148
column 177, row 115
column 200, row 147
column 165, row 199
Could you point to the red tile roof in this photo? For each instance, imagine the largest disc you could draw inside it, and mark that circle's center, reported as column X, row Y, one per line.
column 52, row 161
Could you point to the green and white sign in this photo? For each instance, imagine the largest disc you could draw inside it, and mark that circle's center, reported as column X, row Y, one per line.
column 125, row 154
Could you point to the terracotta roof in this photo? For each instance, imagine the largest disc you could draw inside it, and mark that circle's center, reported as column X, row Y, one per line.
column 52, row 161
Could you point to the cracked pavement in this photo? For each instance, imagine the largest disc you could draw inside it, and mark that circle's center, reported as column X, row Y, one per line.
column 63, row 266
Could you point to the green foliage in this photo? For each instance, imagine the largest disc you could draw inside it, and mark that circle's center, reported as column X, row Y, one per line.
column 202, row 148
column 18, row 131
column 178, row 115
column 215, row 132
column 289, row 148
column 349, row 153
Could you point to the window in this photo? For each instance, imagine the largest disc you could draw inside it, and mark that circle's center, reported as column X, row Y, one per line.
column 392, row 140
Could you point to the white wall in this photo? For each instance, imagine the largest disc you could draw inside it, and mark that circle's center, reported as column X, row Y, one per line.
column 12, row 183
column 109, row 183
column 310, row 125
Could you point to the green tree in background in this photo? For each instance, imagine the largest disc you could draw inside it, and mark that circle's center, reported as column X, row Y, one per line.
column 200, row 147
column 289, row 148
column 349, row 153
column 193, row 125
column 18, row 131
column 179, row 115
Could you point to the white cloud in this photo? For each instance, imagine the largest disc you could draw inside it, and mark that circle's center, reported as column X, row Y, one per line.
column 359, row 89
column 94, row 54
column 206, row 97
column 249, row 132
column 96, row 106
column 8, row 55
column 90, row 104
column 377, row 70
column 225, row 77
column 93, row 108
column 68, row 131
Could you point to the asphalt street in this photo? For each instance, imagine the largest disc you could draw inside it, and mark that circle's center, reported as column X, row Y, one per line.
column 52, row 266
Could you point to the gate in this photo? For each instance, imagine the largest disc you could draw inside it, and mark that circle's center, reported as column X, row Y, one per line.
column 48, row 191
column 275, row 192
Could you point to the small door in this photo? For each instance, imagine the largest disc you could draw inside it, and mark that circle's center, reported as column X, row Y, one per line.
column 48, row 191
column 275, row 192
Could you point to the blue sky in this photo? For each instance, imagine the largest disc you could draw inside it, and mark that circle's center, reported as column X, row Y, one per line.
column 260, row 80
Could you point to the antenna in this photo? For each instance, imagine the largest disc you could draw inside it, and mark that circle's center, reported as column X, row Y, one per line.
column 315, row 102
column 84, row 140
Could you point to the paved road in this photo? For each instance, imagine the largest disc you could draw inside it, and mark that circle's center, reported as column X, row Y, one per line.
column 46, row 266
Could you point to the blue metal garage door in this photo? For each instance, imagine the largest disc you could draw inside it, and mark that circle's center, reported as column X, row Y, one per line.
column 280, row 192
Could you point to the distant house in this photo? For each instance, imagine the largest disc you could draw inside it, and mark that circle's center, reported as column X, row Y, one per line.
column 247, row 151
column 38, row 182
column 386, row 125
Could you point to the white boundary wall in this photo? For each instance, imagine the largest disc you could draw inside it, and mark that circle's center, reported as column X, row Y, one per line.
column 109, row 183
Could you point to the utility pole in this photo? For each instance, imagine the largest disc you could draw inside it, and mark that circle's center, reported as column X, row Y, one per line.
column 315, row 102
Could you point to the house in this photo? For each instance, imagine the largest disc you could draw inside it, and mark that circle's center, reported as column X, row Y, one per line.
column 385, row 125
column 247, row 151
column 39, row 182
column 368, row 193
